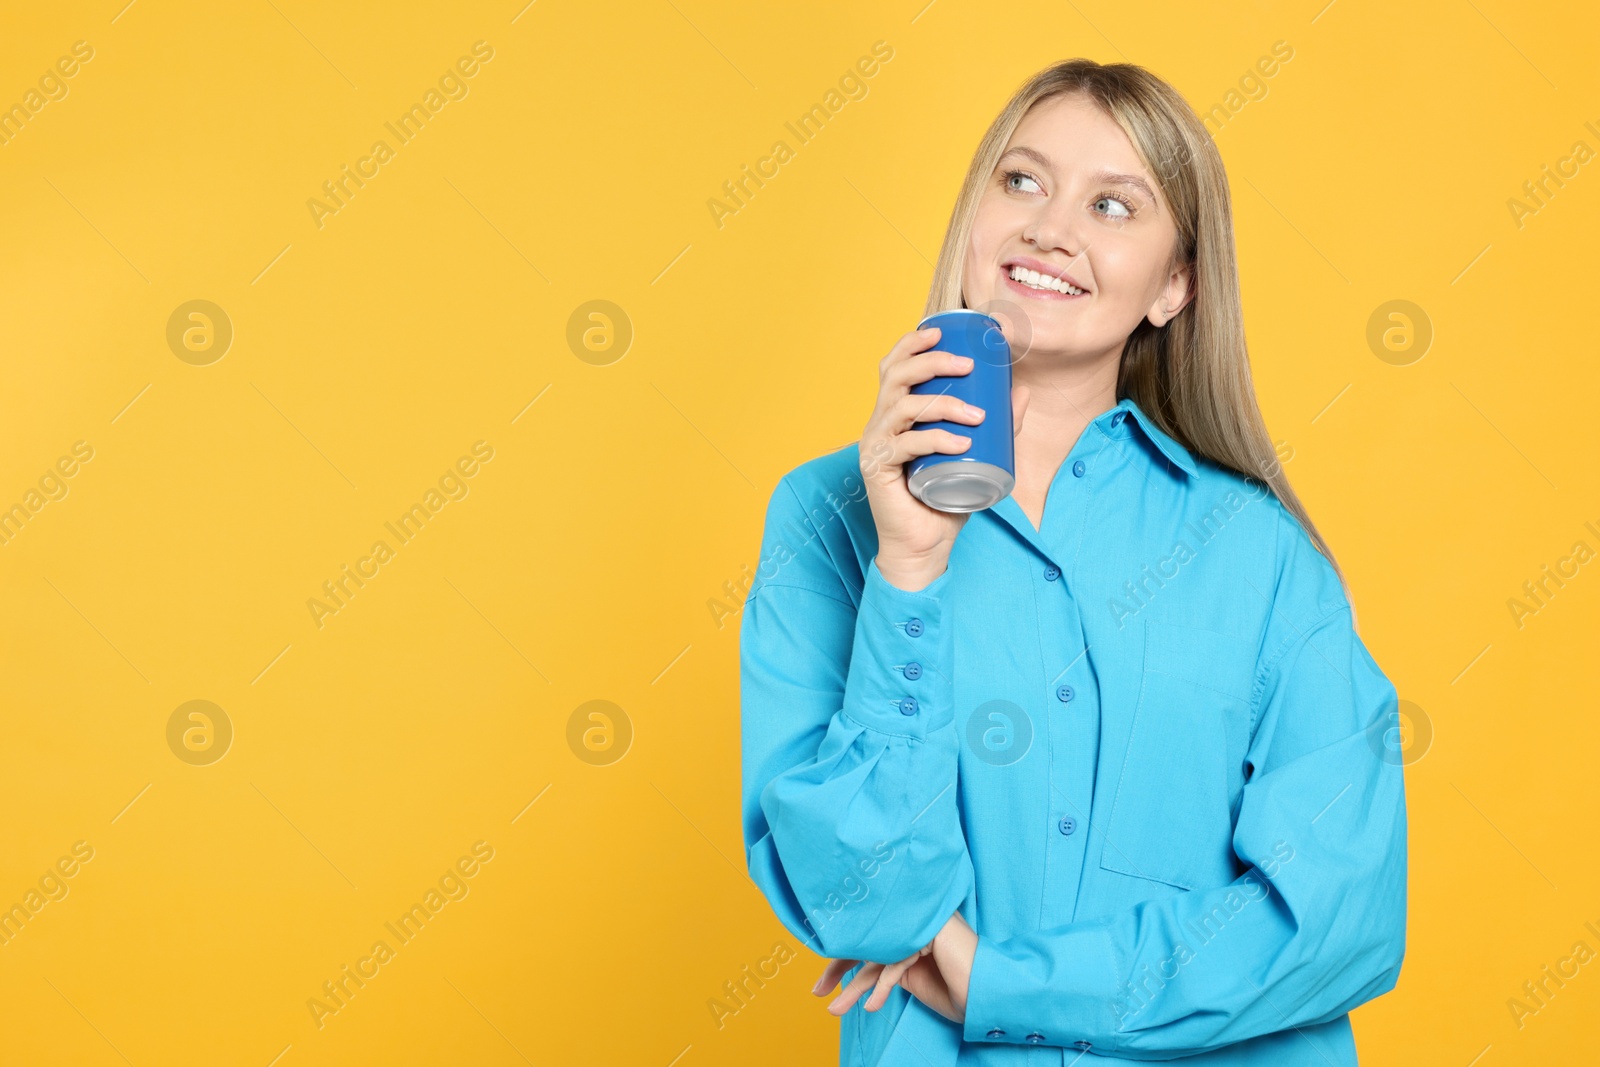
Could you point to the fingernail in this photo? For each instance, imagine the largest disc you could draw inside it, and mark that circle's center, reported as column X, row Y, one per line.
column 963, row 362
column 970, row 410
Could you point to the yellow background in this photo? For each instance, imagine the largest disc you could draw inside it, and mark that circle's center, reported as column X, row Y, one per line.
column 432, row 310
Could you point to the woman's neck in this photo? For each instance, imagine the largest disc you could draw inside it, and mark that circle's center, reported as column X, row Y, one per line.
column 1061, row 403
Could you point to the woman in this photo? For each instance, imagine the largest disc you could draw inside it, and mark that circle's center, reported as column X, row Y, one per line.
column 1103, row 767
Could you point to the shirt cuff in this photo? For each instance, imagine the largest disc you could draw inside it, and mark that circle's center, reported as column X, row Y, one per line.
column 1053, row 988
column 902, row 661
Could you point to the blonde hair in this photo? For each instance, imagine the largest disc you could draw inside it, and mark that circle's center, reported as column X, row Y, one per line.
column 1191, row 376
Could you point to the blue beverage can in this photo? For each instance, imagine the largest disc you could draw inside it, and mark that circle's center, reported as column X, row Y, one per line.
column 985, row 473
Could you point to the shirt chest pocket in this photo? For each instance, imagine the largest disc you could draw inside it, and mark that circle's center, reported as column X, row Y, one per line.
column 1171, row 816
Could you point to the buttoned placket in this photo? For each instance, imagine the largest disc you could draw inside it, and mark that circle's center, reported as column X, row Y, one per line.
column 1071, row 691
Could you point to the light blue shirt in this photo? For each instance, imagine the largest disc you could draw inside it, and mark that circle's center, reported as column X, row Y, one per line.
column 1141, row 749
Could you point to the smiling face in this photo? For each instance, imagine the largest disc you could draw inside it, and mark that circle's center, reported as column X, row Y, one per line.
column 1071, row 201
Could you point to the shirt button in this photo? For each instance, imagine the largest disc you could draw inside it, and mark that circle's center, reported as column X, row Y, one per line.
column 914, row 628
column 1064, row 693
column 1035, row 1037
column 1082, row 1045
column 1068, row 824
column 1052, row 572
column 913, row 671
column 908, row 706
column 1116, row 420
column 996, row 1032
column 1078, row 468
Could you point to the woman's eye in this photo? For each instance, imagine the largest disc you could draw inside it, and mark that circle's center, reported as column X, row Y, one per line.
column 1122, row 211
column 1012, row 177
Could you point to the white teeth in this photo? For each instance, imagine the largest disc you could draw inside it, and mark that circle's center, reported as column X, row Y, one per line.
column 1035, row 280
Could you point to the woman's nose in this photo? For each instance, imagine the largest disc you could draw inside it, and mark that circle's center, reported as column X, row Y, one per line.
column 1054, row 230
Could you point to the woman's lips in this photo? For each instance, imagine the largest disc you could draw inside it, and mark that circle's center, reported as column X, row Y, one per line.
column 1037, row 294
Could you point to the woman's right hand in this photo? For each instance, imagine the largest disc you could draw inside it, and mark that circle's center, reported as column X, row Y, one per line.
column 914, row 540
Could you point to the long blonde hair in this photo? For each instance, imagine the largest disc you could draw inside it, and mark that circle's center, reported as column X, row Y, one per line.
column 1191, row 376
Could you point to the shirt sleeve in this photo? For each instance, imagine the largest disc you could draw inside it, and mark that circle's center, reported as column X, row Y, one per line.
column 1316, row 925
column 851, row 825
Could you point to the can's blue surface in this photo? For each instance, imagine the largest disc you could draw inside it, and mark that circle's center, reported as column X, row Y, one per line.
column 985, row 473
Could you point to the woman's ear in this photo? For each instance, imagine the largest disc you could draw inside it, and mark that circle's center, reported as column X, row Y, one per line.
column 1174, row 296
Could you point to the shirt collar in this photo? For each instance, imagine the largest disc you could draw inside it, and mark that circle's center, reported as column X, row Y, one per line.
column 1114, row 424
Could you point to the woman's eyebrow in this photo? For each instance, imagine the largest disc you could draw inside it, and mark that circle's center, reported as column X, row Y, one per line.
column 1102, row 176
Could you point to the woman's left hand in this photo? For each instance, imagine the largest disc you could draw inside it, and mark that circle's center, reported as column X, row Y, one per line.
column 938, row 975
